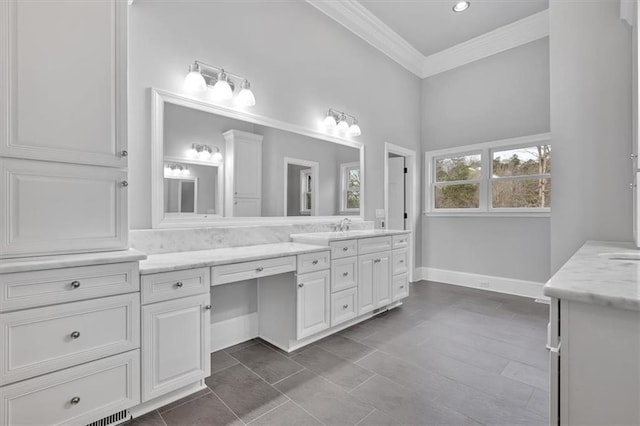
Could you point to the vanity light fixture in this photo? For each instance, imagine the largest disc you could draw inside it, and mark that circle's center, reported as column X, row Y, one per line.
column 205, row 152
column 343, row 122
column 461, row 6
column 202, row 75
column 176, row 170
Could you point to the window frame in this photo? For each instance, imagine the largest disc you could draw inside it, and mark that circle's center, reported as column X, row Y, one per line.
column 486, row 150
column 304, row 175
column 344, row 187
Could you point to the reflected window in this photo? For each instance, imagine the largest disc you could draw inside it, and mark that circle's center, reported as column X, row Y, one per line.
column 350, row 192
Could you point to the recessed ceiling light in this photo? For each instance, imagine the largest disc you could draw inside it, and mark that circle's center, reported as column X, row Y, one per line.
column 461, row 6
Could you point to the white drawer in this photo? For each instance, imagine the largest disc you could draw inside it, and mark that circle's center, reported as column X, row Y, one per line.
column 175, row 284
column 374, row 245
column 312, row 262
column 400, row 288
column 346, row 248
column 401, row 241
column 47, row 287
column 101, row 388
column 344, row 306
column 400, row 261
column 344, row 273
column 41, row 340
column 249, row 270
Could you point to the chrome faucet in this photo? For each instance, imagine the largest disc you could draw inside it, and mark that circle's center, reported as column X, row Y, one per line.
column 345, row 224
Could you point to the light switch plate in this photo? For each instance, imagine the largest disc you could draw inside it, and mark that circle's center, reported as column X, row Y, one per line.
column 379, row 213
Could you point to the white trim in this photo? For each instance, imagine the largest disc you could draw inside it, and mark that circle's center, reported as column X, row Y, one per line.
column 531, row 289
column 158, row 99
column 526, row 30
column 627, row 9
column 233, row 331
column 315, row 175
column 359, row 20
column 413, row 207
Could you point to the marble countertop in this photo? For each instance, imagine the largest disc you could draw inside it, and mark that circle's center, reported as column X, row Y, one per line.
column 592, row 276
column 25, row 264
column 166, row 262
column 326, row 237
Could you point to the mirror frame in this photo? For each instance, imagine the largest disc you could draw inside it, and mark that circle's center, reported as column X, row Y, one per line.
column 158, row 218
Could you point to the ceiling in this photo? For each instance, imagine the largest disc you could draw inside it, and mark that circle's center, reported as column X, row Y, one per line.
column 431, row 26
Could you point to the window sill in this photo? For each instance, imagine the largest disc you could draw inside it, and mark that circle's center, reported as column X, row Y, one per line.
column 489, row 214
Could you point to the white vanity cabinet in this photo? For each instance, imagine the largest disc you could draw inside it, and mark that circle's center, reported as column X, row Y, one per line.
column 313, row 303
column 243, row 174
column 374, row 283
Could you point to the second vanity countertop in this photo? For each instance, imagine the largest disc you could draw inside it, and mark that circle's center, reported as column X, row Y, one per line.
column 605, row 273
column 166, row 262
column 326, row 237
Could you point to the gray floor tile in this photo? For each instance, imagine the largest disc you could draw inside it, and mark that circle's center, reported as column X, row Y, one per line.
column 527, row 374
column 332, row 367
column 152, row 418
column 345, row 348
column 405, row 406
column 463, row 352
column 539, row 402
column 221, row 360
column 325, row 401
column 232, row 349
column 378, row 418
column 207, row 410
column 267, row 363
column 288, row 414
column 244, row 392
column 181, row 401
column 357, row 332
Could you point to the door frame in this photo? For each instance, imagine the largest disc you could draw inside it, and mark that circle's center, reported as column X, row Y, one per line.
column 315, row 175
column 411, row 193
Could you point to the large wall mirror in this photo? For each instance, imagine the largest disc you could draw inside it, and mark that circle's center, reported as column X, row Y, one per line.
column 214, row 165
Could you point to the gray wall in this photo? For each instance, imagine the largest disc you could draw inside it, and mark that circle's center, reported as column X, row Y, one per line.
column 502, row 96
column 591, row 124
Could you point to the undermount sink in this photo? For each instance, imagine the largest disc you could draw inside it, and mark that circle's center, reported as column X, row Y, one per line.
column 621, row 256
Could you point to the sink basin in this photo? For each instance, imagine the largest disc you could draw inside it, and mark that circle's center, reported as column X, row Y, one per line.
column 621, row 256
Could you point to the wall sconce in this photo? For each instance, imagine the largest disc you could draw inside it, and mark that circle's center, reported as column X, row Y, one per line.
column 205, row 152
column 202, row 75
column 176, row 170
column 341, row 121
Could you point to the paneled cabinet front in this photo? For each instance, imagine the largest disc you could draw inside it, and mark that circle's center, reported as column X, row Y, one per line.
column 374, row 281
column 63, row 74
column 175, row 344
column 313, row 304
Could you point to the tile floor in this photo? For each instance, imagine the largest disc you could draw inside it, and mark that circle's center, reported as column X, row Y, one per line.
column 449, row 356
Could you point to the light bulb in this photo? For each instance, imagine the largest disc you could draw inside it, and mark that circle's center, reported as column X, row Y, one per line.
column 246, row 97
column 194, row 81
column 204, row 154
column 222, row 89
column 330, row 121
column 354, row 130
column 167, row 171
column 192, row 152
column 461, row 6
column 342, row 124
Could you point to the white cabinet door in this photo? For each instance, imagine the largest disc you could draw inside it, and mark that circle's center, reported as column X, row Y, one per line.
column 61, row 208
column 313, row 310
column 175, row 344
column 247, row 207
column 248, row 168
column 382, row 279
column 366, row 277
column 63, row 73
column 243, row 174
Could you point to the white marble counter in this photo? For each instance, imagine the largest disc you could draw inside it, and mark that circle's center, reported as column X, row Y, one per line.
column 591, row 276
column 326, row 237
column 166, row 262
column 68, row 260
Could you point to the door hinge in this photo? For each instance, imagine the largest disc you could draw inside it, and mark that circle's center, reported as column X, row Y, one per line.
column 406, row 216
column 406, row 170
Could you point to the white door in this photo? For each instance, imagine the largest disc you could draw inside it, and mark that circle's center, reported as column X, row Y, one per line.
column 175, row 344
column 313, row 313
column 396, row 191
column 65, row 62
column 247, row 207
column 366, row 277
column 382, row 279
column 248, row 168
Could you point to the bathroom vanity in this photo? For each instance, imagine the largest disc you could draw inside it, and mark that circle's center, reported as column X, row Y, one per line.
column 594, row 336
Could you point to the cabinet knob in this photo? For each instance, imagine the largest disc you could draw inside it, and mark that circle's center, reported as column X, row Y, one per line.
column 75, row 334
column 75, row 400
column 208, row 307
column 634, row 156
column 344, row 274
column 632, row 185
column 402, row 261
column 123, row 153
column 315, row 262
column 401, row 286
column 235, row 203
column 235, row 193
column 259, row 269
column 124, row 183
column 345, row 248
column 179, row 284
column 75, row 284
column 301, row 285
column 345, row 306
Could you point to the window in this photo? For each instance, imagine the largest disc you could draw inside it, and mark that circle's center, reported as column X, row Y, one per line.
column 508, row 176
column 306, row 191
column 350, row 187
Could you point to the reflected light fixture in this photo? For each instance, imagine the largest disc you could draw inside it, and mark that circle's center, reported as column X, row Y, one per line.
column 342, row 122
column 202, row 76
column 217, row 156
column 176, row 170
column 461, row 6
column 205, row 153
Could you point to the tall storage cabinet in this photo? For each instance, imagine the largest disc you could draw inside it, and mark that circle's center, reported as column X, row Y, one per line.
column 243, row 174
column 63, row 144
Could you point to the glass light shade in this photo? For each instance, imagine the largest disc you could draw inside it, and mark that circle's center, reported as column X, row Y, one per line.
column 217, row 157
column 354, row 130
column 194, row 81
column 461, row 6
column 222, row 89
column 330, row 121
column 204, row 155
column 167, row 171
column 246, row 97
column 343, row 125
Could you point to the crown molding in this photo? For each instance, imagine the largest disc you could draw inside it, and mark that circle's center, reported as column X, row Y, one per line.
column 627, row 9
column 359, row 20
column 507, row 37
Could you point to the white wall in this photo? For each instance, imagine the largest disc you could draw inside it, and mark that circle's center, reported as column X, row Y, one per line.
column 502, row 96
column 591, row 124
column 299, row 62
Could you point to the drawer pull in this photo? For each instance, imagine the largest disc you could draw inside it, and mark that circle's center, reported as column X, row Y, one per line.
column 315, row 262
column 75, row 400
column 75, row 284
column 345, row 248
column 124, row 183
column 301, row 285
column 401, row 286
column 402, row 261
column 123, row 153
column 208, row 307
column 75, row 334
column 344, row 274
column 179, row 284
column 345, row 306
column 259, row 269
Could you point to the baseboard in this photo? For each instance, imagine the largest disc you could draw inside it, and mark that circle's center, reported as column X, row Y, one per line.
column 233, row 331
column 513, row 286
